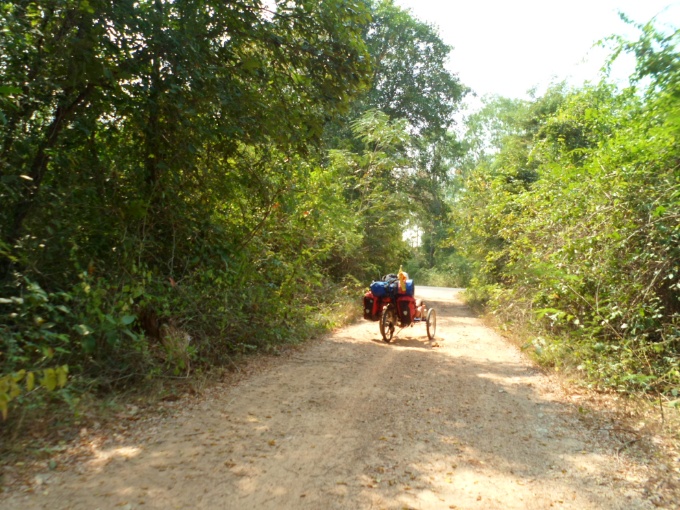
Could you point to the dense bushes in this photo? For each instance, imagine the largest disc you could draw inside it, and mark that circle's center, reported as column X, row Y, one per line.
column 573, row 224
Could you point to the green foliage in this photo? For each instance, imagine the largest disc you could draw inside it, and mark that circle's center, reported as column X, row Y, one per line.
column 451, row 271
column 573, row 223
column 170, row 196
column 411, row 81
column 155, row 175
column 411, row 84
column 375, row 186
column 16, row 384
column 34, row 329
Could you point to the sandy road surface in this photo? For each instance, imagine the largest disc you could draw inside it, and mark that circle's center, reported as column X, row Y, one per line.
column 350, row 422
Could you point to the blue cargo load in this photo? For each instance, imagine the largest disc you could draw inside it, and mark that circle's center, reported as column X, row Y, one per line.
column 384, row 289
column 410, row 288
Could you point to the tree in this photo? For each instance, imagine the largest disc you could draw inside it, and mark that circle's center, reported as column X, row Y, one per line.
column 410, row 78
column 410, row 83
column 180, row 77
column 376, row 183
column 152, row 156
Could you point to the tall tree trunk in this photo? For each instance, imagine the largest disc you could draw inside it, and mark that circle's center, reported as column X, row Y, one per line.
column 30, row 185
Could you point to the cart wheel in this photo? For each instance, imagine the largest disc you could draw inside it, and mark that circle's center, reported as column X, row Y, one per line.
column 387, row 323
column 431, row 323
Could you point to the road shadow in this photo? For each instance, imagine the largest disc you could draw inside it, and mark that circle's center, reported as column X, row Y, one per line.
column 408, row 342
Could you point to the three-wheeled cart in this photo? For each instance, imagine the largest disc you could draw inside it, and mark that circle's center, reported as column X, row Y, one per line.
column 394, row 308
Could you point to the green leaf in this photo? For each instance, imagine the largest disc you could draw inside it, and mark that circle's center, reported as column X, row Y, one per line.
column 8, row 90
column 49, row 379
column 126, row 320
column 30, row 381
column 14, row 390
column 659, row 211
column 62, row 375
column 4, row 401
column 545, row 311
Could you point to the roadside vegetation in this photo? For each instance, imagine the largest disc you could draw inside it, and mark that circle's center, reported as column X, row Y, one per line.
column 568, row 211
column 184, row 182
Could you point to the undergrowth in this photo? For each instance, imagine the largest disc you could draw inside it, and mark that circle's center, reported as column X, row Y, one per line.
column 42, row 420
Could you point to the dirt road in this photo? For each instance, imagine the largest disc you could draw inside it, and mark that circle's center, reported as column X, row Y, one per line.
column 350, row 422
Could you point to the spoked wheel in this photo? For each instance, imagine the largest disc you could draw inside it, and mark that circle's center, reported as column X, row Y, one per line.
column 431, row 323
column 387, row 323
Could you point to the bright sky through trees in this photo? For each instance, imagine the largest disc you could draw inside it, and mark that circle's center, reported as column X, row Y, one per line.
column 507, row 47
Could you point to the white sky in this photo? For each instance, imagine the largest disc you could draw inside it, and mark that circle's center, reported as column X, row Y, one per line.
column 506, row 47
